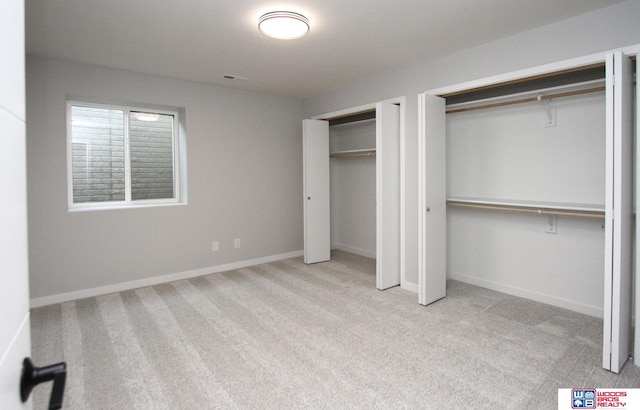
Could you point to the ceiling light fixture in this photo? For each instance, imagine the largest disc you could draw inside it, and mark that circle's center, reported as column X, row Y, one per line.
column 283, row 25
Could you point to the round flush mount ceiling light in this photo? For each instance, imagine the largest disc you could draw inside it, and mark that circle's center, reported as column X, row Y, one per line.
column 283, row 25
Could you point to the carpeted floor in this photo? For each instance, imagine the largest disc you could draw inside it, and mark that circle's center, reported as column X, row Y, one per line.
column 285, row 335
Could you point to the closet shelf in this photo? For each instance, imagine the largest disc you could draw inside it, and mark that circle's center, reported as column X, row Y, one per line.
column 539, row 97
column 533, row 207
column 354, row 153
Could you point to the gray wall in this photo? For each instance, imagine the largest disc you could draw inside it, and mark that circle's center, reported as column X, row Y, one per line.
column 244, row 158
column 609, row 28
column 244, row 176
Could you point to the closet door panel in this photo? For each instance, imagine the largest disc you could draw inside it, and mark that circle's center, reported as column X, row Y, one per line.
column 432, row 274
column 387, row 195
column 636, row 354
column 317, row 199
column 619, row 213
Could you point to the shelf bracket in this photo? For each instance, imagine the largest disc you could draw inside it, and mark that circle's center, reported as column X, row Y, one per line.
column 550, row 111
column 552, row 224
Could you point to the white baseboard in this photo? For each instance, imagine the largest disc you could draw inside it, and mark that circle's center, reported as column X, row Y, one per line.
column 355, row 251
column 411, row 287
column 528, row 294
column 156, row 280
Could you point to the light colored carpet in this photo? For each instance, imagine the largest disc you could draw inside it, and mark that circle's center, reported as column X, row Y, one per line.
column 286, row 335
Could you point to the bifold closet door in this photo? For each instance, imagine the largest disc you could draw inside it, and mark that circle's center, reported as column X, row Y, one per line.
column 432, row 239
column 317, row 195
column 387, row 195
column 636, row 347
column 618, row 212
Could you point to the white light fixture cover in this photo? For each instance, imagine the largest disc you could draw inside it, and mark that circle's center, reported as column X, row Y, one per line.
column 284, row 25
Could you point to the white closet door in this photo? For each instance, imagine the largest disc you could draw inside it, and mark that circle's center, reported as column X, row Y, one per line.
column 432, row 240
column 387, row 195
column 636, row 354
column 619, row 213
column 317, row 196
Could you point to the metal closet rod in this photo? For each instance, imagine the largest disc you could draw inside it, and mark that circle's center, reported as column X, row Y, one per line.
column 530, row 210
column 527, row 100
column 370, row 153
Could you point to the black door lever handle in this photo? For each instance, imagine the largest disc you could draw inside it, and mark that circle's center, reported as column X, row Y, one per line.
column 33, row 376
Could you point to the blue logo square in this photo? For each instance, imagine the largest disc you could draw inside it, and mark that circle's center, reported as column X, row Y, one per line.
column 583, row 398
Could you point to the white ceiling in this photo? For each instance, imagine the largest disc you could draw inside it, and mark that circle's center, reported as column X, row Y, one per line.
column 202, row 40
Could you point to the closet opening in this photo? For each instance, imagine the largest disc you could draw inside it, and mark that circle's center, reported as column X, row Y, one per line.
column 352, row 148
column 353, row 187
column 538, row 196
column 527, row 173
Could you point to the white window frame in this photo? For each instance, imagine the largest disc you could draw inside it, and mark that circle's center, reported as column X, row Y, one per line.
column 179, row 162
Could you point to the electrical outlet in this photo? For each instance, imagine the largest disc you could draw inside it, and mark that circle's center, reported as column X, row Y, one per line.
column 237, row 243
column 215, row 246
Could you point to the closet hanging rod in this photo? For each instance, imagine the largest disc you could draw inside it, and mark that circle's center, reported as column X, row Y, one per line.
column 353, row 154
column 530, row 210
column 527, row 100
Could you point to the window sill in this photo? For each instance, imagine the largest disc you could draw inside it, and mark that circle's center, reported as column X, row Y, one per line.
column 123, row 207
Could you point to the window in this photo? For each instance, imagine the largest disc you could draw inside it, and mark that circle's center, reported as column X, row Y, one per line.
column 122, row 156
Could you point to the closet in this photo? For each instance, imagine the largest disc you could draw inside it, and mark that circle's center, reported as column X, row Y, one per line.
column 538, row 194
column 352, row 187
column 352, row 152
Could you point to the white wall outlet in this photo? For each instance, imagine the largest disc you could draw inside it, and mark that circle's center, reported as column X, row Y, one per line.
column 215, row 246
column 236, row 243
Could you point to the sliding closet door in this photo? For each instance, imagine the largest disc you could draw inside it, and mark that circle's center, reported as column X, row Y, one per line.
column 317, row 196
column 387, row 195
column 432, row 240
column 618, row 212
